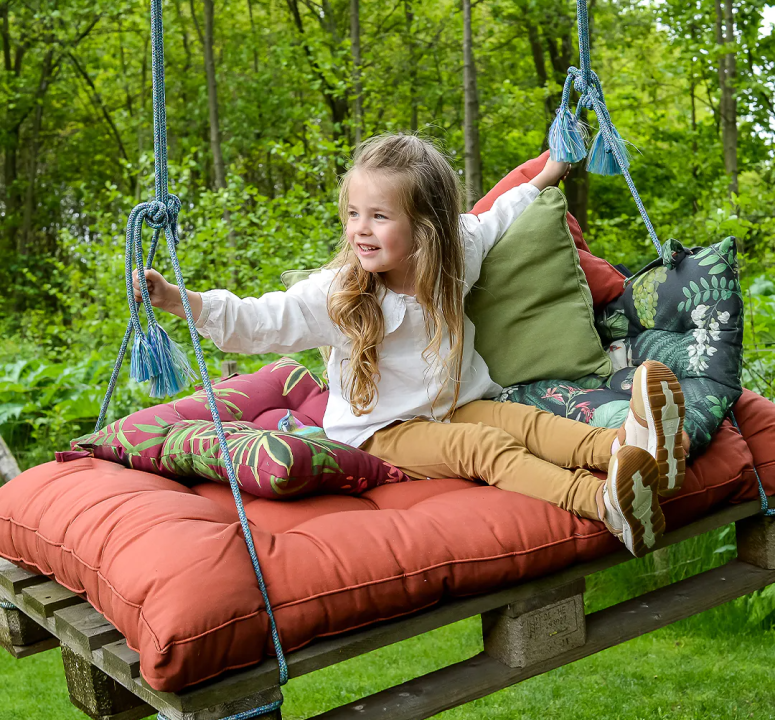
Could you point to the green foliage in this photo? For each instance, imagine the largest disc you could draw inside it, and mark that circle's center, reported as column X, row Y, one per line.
column 759, row 358
column 43, row 405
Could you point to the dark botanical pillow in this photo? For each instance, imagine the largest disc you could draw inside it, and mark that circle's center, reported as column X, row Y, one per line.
column 687, row 314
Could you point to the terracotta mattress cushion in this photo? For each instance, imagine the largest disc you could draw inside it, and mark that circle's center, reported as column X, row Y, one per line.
column 167, row 563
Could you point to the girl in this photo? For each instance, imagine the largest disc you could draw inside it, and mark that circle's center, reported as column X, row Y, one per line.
column 407, row 385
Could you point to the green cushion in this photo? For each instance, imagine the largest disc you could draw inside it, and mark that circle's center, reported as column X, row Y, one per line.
column 532, row 307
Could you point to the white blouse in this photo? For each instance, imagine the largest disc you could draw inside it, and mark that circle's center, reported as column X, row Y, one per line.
column 287, row 322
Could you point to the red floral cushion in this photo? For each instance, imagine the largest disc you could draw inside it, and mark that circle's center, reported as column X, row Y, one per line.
column 272, row 464
column 177, row 439
column 605, row 281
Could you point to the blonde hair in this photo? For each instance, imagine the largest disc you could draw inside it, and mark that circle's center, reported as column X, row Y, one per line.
column 430, row 195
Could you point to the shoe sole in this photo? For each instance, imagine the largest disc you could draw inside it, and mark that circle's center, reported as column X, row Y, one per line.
column 632, row 490
column 663, row 401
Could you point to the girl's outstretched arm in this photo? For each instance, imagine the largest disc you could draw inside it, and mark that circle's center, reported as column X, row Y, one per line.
column 276, row 322
column 552, row 173
column 279, row 322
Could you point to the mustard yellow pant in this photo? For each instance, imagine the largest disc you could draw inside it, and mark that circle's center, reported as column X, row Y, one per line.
column 512, row 446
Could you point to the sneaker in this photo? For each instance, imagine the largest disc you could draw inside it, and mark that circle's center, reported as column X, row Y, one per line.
column 628, row 503
column 655, row 422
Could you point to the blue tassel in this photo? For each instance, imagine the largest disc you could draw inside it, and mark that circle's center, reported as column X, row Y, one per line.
column 567, row 138
column 174, row 370
column 602, row 160
column 143, row 365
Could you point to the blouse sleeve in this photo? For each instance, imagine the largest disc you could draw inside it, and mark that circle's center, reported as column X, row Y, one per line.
column 279, row 322
column 482, row 232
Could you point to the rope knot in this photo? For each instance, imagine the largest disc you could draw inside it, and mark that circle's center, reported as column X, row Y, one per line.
column 159, row 216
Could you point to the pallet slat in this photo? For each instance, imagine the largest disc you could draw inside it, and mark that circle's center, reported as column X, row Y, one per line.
column 119, row 657
column 83, row 628
column 471, row 679
column 15, row 579
column 48, row 597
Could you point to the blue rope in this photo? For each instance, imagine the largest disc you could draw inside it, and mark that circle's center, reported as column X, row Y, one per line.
column 766, row 509
column 122, row 351
column 161, row 214
column 256, row 712
column 588, row 85
column 6, row 605
column 564, row 139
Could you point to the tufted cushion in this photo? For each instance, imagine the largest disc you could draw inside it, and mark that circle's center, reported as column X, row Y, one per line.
column 138, row 546
column 177, row 439
column 605, row 281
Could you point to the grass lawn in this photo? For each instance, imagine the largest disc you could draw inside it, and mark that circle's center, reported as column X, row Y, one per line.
column 682, row 672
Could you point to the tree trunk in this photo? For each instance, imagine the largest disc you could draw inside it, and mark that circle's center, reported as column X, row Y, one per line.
column 9, row 468
column 473, row 157
column 355, row 41
column 212, row 97
column 413, row 100
column 337, row 104
column 12, row 197
column 219, row 169
column 253, row 36
column 727, row 72
column 23, row 240
column 537, row 51
column 140, row 127
column 695, row 167
column 577, row 194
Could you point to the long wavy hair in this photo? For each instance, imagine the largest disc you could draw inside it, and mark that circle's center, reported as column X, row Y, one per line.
column 430, row 194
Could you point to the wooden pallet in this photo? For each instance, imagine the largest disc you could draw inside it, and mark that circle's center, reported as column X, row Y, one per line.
column 527, row 630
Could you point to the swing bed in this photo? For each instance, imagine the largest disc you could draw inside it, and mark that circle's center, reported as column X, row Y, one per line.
column 518, row 563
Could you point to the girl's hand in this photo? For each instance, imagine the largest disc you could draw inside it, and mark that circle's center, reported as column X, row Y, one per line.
column 162, row 293
column 166, row 296
column 552, row 173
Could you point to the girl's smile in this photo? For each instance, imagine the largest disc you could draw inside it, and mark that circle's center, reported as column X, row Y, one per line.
column 379, row 231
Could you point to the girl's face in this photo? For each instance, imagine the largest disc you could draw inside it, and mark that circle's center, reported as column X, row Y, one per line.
column 379, row 231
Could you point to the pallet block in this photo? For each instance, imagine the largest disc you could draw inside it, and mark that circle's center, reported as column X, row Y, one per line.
column 756, row 541
column 98, row 695
column 21, row 636
column 528, row 631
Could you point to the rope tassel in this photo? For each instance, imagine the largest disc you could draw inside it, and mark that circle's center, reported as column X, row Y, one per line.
column 567, row 137
column 143, row 363
column 174, row 370
column 155, row 356
column 602, row 158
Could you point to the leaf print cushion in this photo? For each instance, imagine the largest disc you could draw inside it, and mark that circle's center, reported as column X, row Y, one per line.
column 165, row 439
column 273, row 464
